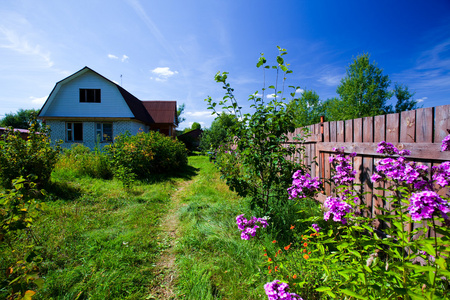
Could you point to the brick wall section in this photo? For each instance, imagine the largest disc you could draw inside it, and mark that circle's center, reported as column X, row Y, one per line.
column 58, row 131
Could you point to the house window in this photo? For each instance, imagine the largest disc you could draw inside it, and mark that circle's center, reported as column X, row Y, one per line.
column 104, row 132
column 90, row 95
column 74, row 132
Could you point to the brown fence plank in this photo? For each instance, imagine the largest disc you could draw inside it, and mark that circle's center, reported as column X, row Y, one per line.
column 368, row 129
column 379, row 128
column 357, row 130
column 392, row 128
column 424, row 125
column 348, row 131
column 408, row 126
column 333, row 132
column 340, row 134
column 442, row 123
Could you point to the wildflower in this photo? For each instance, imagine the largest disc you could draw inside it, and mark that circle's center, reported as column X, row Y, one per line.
column 338, row 208
column 306, row 256
column 292, row 227
column 442, row 174
column 344, row 171
column 386, row 148
column 274, row 241
column 446, row 143
column 277, row 290
column 303, row 185
column 294, row 276
column 426, row 203
column 305, row 244
column 316, row 227
column 287, row 247
column 269, row 260
column 248, row 227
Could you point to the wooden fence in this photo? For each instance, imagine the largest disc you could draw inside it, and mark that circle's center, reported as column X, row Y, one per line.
column 421, row 131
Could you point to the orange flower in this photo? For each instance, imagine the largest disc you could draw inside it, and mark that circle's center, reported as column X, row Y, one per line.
column 287, row 247
column 304, row 250
column 276, row 269
column 269, row 259
column 292, row 227
column 295, row 276
column 265, row 254
column 274, row 241
column 279, row 251
column 306, row 256
column 305, row 244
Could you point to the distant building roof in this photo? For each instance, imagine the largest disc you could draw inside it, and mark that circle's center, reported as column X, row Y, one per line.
column 162, row 111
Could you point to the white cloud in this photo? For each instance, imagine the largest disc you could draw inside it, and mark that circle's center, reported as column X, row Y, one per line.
column 270, row 96
column 421, row 99
column 200, row 114
column 331, row 80
column 123, row 59
column 10, row 39
column 38, row 101
column 163, row 73
column 299, row 91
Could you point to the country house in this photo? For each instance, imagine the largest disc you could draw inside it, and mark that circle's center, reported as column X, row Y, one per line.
column 88, row 108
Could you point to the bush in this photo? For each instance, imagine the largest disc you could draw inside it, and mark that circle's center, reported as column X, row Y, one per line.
column 81, row 161
column 34, row 156
column 146, row 154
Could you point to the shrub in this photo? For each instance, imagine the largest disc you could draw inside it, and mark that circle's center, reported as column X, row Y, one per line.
column 81, row 161
column 259, row 141
column 34, row 156
column 146, row 154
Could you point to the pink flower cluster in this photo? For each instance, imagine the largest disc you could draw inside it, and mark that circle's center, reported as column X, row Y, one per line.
column 399, row 169
column 343, row 167
column 303, row 185
column 338, row 208
column 248, row 227
column 277, row 290
column 446, row 143
column 424, row 204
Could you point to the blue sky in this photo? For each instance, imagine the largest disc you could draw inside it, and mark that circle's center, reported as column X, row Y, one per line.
column 171, row 50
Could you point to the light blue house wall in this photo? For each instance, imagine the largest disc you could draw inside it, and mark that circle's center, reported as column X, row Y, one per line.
column 67, row 99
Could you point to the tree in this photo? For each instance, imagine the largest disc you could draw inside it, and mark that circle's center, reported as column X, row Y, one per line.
column 196, row 125
column 364, row 91
column 180, row 111
column 217, row 134
column 307, row 109
column 22, row 119
column 404, row 98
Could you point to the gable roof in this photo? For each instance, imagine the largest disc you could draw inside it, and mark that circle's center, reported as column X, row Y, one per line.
column 136, row 106
column 162, row 111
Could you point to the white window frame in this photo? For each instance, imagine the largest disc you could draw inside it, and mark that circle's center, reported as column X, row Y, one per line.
column 70, row 132
column 100, row 132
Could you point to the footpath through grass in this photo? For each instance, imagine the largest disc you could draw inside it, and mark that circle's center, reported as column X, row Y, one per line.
column 212, row 260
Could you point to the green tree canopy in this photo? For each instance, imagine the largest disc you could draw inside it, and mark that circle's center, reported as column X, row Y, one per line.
column 218, row 132
column 307, row 109
column 22, row 119
column 180, row 111
column 363, row 91
column 404, row 98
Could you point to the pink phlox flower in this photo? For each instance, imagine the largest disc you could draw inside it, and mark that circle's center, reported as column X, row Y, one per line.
column 387, row 148
column 426, row 203
column 446, row 143
column 248, row 227
column 303, row 185
column 277, row 290
column 441, row 174
column 338, row 208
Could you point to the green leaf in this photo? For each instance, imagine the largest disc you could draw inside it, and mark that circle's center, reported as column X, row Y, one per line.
column 352, row 294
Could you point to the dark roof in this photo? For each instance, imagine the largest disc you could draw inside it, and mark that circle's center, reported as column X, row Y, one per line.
column 161, row 111
column 196, row 133
column 136, row 106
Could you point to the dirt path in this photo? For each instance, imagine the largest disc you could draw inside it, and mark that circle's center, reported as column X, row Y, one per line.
column 165, row 265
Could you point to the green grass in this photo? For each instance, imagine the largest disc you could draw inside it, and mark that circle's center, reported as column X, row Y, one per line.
column 213, row 262
column 99, row 240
